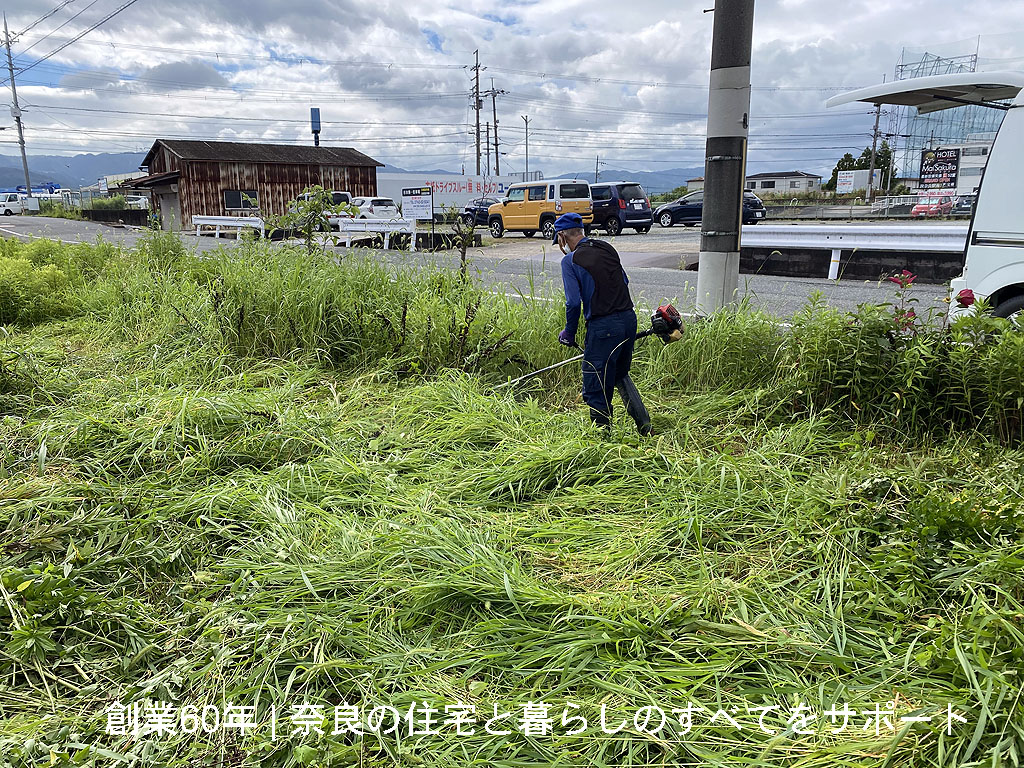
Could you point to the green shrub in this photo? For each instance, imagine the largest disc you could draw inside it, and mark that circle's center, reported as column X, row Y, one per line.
column 115, row 203
column 58, row 211
column 30, row 293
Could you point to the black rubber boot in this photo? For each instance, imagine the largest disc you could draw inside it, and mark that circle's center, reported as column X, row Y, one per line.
column 634, row 405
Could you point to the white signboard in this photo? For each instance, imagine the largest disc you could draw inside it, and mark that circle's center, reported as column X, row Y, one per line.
column 417, row 203
column 845, row 181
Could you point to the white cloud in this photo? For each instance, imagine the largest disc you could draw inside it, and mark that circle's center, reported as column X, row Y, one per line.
column 213, row 68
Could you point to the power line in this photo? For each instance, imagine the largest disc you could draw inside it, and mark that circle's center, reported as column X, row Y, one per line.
column 79, row 36
column 254, row 96
column 507, row 70
column 280, row 59
column 232, row 118
column 663, row 84
column 44, row 17
column 68, row 21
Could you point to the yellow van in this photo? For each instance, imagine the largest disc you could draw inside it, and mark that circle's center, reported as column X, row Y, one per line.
column 533, row 207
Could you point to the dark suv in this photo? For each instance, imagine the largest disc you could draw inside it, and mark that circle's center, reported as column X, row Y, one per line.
column 689, row 210
column 621, row 204
column 475, row 211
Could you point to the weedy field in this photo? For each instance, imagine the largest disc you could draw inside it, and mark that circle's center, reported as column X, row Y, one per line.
column 255, row 501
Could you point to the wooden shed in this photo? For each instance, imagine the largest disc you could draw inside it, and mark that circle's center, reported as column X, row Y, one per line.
column 229, row 178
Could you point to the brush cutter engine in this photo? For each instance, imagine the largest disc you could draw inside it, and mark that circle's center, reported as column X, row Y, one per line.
column 666, row 324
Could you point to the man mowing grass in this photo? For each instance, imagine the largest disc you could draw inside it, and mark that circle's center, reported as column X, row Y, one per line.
column 593, row 276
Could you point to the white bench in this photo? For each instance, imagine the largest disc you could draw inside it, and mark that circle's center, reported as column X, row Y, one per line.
column 235, row 223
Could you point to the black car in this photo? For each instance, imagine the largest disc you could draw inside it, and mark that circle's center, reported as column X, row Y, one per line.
column 964, row 205
column 475, row 211
column 621, row 204
column 689, row 210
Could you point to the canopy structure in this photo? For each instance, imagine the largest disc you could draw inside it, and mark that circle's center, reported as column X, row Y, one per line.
column 931, row 94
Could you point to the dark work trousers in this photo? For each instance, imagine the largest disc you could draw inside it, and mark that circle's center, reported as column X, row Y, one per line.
column 607, row 355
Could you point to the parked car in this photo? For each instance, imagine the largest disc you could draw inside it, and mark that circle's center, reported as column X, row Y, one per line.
column 964, row 205
column 940, row 205
column 376, row 208
column 475, row 212
column 533, row 207
column 621, row 204
column 689, row 209
column 337, row 198
column 10, row 203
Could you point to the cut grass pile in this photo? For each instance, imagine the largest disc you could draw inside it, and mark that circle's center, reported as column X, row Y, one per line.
column 288, row 510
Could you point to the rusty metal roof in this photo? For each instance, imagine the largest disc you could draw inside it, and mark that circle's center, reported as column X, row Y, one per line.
column 153, row 180
column 243, row 152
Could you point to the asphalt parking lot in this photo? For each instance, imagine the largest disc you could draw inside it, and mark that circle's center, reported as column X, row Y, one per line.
column 517, row 265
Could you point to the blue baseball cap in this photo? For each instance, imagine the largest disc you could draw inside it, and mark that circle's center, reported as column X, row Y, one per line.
column 567, row 221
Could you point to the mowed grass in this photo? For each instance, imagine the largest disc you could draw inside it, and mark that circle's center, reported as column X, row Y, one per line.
column 229, row 481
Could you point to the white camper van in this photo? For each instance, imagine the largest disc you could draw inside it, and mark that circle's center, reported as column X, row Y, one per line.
column 10, row 203
column 994, row 255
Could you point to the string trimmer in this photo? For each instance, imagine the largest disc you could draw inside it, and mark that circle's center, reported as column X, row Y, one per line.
column 666, row 324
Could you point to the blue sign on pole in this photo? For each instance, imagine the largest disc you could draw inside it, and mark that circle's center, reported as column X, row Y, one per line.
column 314, row 119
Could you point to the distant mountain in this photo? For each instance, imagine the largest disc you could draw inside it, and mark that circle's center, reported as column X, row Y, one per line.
column 76, row 171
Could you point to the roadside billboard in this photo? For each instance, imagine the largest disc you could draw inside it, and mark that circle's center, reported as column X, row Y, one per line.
column 939, row 168
column 845, row 181
column 417, row 203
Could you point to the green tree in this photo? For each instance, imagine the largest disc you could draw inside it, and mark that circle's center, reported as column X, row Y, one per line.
column 310, row 215
column 883, row 163
column 667, row 197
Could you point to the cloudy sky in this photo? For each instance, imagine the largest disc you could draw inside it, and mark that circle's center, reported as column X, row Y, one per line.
column 626, row 81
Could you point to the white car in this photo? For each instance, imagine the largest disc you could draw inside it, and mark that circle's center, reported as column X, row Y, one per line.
column 10, row 203
column 376, row 208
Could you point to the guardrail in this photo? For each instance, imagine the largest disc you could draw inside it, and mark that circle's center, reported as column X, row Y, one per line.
column 236, row 223
column 931, row 238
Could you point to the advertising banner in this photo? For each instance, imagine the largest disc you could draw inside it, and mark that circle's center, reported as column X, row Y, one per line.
column 939, row 168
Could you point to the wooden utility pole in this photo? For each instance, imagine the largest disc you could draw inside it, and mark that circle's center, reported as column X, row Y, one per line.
column 476, row 106
column 725, row 158
column 16, row 110
column 597, row 166
column 526, row 176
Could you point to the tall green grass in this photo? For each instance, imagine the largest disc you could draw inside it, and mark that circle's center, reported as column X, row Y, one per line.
column 200, row 511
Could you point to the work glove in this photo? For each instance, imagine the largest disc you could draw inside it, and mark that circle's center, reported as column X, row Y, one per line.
column 565, row 338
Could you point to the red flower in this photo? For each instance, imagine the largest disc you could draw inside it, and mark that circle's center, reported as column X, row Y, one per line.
column 965, row 298
column 904, row 279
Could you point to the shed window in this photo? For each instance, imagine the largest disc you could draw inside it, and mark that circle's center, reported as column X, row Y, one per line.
column 241, row 199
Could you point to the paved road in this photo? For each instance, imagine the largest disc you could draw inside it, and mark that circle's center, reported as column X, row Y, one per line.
column 516, row 264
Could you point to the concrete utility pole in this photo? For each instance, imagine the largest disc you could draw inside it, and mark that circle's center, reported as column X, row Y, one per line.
column 874, row 149
column 476, row 107
column 725, row 159
column 16, row 110
column 526, row 176
column 487, row 143
column 597, row 168
column 494, row 116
